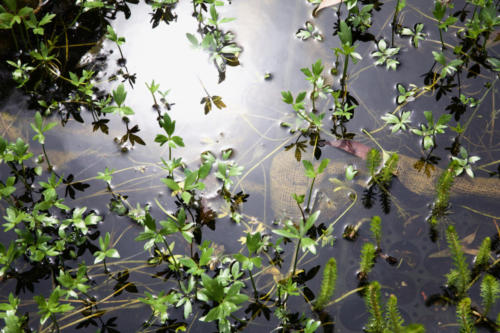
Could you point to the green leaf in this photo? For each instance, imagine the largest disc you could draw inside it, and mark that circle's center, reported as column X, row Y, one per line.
column 171, row 184
column 112, row 253
column 495, row 63
column 345, row 34
column 231, row 48
column 310, row 221
column 350, row 172
column 287, row 97
column 38, row 120
column 323, row 165
column 306, row 72
column 317, row 67
column 178, row 141
column 286, row 234
column 300, row 97
column 192, row 39
column 309, row 169
column 46, row 19
column 253, row 242
column 439, row 57
column 119, row 94
column 308, row 244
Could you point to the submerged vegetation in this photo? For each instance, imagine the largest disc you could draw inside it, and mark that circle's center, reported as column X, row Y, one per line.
column 63, row 267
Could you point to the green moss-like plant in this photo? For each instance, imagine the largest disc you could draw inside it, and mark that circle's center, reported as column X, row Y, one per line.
column 459, row 277
column 376, row 323
column 367, row 261
column 392, row 315
column 443, row 186
column 327, row 285
column 376, row 229
column 464, row 316
column 394, row 322
column 373, row 161
column 483, row 255
column 490, row 291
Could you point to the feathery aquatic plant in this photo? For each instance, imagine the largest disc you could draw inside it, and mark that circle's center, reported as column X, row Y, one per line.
column 376, row 229
column 483, row 255
column 327, row 285
column 443, row 187
column 464, row 316
column 367, row 260
column 459, row 277
column 490, row 291
column 392, row 315
column 373, row 161
column 376, row 323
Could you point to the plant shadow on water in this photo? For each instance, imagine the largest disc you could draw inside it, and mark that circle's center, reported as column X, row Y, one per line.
column 127, row 161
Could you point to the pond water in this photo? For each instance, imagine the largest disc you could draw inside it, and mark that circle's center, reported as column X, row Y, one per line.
column 251, row 125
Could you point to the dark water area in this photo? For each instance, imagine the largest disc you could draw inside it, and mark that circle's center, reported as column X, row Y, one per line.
column 250, row 125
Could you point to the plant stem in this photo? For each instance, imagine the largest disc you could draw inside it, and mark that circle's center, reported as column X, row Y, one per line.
column 105, row 267
column 313, row 99
column 441, row 39
column 46, row 157
column 54, row 321
column 171, row 254
column 14, row 38
column 344, row 78
column 176, row 264
column 296, row 257
column 256, row 294
column 394, row 20
column 310, row 194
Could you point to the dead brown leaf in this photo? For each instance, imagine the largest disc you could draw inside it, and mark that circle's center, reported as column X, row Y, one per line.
column 325, row 4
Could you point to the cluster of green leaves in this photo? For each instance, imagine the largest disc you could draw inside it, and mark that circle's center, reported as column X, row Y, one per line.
column 313, row 173
column 359, row 18
column 12, row 15
column 173, row 141
column 404, row 94
column 119, row 95
column 397, row 122
column 220, row 44
column 428, row 131
column 385, row 54
column 439, row 12
column 347, row 49
column 39, row 235
column 465, row 162
column 448, row 67
column 416, row 34
column 13, row 322
column 320, row 89
column 308, row 32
